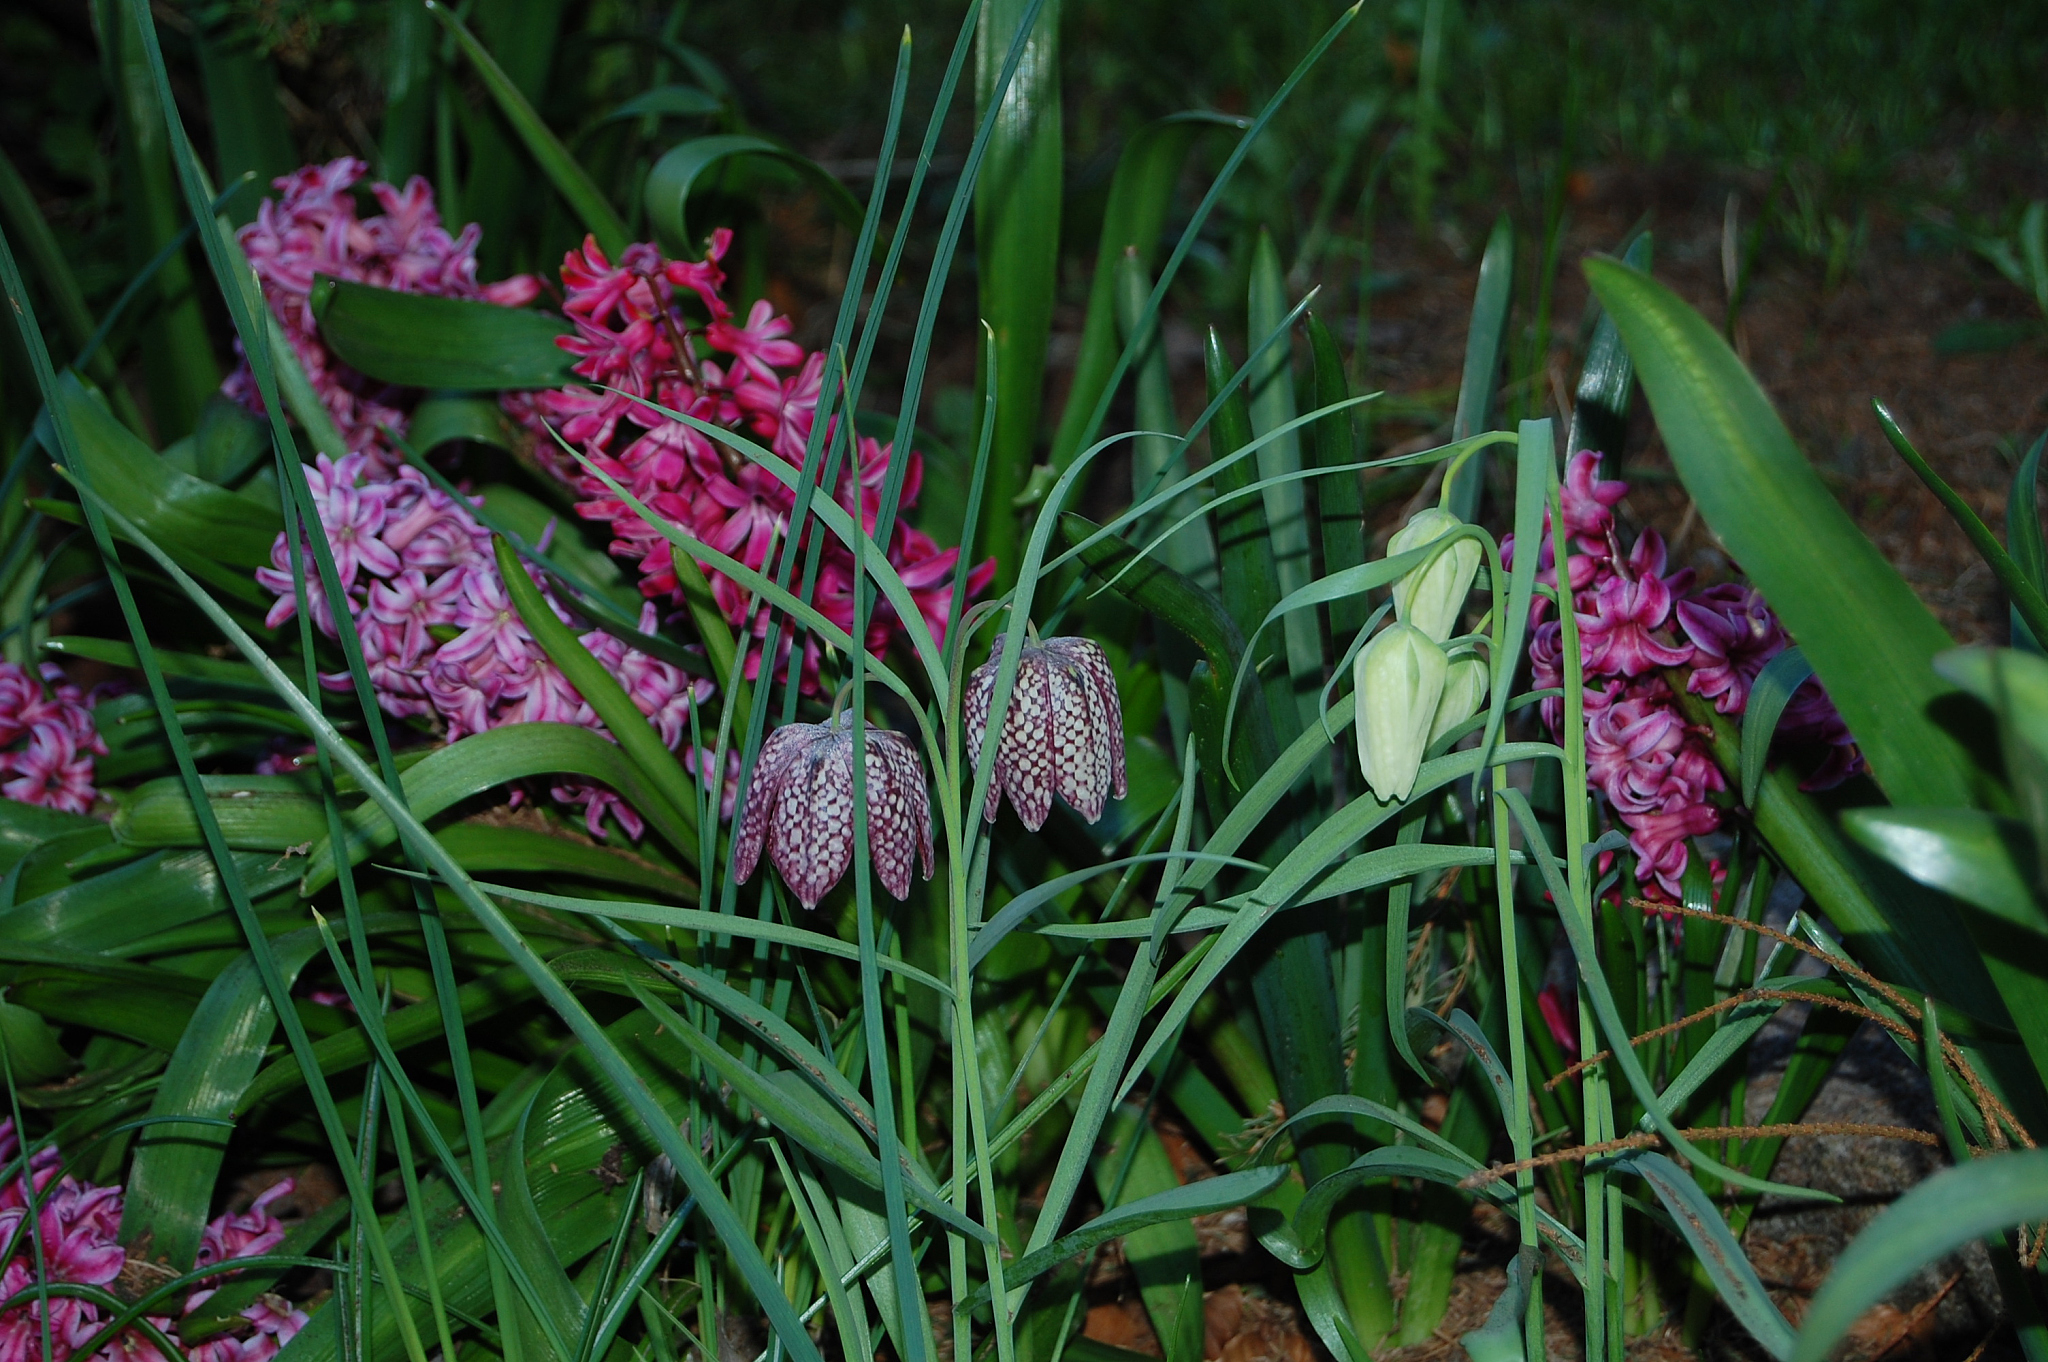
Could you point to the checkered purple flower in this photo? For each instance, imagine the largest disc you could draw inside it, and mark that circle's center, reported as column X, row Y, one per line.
column 800, row 807
column 1063, row 734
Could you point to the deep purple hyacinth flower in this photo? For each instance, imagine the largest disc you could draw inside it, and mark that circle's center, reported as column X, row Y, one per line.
column 1063, row 734
column 800, row 807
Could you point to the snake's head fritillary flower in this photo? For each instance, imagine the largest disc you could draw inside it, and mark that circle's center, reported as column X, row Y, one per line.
column 800, row 807
column 1063, row 734
column 1399, row 678
column 1432, row 596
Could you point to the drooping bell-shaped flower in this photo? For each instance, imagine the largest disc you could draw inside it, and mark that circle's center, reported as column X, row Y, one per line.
column 1432, row 596
column 1399, row 678
column 800, row 806
column 1063, row 733
column 1465, row 678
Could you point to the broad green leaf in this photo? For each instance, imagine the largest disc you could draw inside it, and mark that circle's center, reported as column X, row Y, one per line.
column 420, row 341
column 485, row 760
column 671, row 101
column 1500, row 1339
column 24, row 827
column 2012, row 683
column 1768, row 695
column 1187, row 606
column 527, row 1237
column 187, row 514
column 255, row 813
column 1868, row 636
column 171, row 1182
column 34, row 1054
column 1340, row 499
column 220, row 671
column 1979, row 858
column 1491, row 300
column 442, row 417
column 673, row 177
column 162, row 890
column 1017, row 209
column 2023, row 534
column 337, row 1054
column 1994, row 1192
column 1140, row 193
column 1270, row 388
column 1600, row 405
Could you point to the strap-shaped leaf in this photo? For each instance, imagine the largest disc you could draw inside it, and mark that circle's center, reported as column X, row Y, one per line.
column 187, row 515
column 1491, row 299
column 673, row 177
column 1868, row 636
column 1980, row 858
column 1181, row 1203
column 485, row 760
column 2023, row 537
column 1768, row 695
column 421, row 341
column 1714, row 1248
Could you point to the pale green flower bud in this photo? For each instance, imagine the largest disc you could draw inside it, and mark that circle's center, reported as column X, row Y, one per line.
column 1431, row 597
column 1465, row 678
column 1399, row 678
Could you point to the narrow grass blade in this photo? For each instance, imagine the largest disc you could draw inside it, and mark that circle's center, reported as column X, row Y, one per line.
column 1715, row 1249
column 1270, row 389
column 561, row 167
column 2026, row 597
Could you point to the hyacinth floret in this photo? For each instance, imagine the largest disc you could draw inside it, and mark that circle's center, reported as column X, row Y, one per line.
column 80, row 1224
column 1063, row 733
column 311, row 230
column 441, row 639
column 651, row 330
column 1636, row 620
column 47, row 739
column 799, row 807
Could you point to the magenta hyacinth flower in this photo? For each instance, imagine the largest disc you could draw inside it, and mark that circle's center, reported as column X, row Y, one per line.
column 800, row 807
column 1617, row 635
column 1063, row 734
column 47, row 740
column 1733, row 635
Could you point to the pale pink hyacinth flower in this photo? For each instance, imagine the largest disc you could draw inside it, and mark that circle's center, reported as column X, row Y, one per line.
column 311, row 230
column 80, row 1224
column 1063, row 733
column 799, row 806
column 440, row 637
column 47, row 740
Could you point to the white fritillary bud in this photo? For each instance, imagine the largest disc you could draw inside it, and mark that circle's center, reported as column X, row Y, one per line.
column 800, row 805
column 1432, row 596
column 1399, row 679
column 1063, row 734
column 1465, row 680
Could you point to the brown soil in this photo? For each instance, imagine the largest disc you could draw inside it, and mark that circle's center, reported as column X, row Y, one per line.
column 1822, row 355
